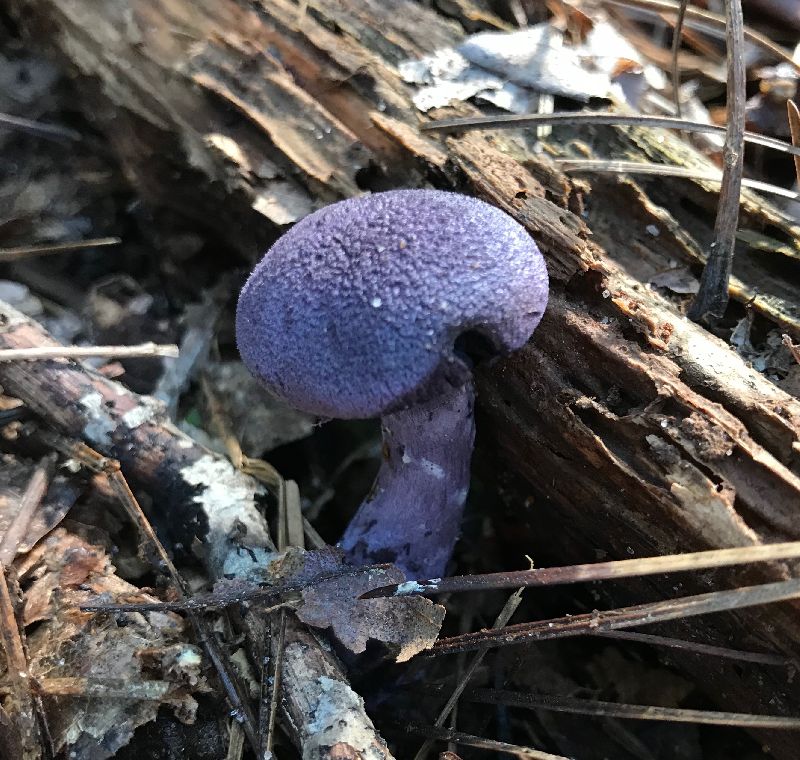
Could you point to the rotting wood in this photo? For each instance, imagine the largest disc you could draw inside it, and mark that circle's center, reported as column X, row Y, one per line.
column 663, row 439
column 200, row 497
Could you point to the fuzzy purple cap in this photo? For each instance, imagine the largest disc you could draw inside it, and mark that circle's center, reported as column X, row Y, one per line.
column 359, row 305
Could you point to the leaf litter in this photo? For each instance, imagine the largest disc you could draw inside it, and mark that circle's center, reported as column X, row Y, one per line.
column 135, row 663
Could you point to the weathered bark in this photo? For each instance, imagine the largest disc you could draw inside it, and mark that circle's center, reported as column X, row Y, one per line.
column 635, row 430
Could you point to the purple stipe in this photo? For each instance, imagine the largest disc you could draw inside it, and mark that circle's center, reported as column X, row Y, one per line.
column 413, row 515
column 356, row 312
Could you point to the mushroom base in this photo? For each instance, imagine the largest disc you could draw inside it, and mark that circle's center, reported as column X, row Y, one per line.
column 413, row 514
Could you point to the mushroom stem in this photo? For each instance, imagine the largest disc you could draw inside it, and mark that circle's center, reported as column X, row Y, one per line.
column 413, row 514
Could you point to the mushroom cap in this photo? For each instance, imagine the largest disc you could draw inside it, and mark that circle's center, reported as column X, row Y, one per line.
column 356, row 309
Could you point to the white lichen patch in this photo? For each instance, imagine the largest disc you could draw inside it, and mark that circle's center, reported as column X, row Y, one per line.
column 409, row 587
column 12, row 317
column 414, row 587
column 147, row 410
column 250, row 565
column 227, row 498
column 99, row 426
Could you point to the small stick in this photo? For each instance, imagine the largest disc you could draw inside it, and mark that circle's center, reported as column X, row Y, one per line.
column 28, row 251
column 666, row 170
column 271, row 684
column 710, row 20
column 236, row 741
column 110, row 689
column 794, row 127
column 30, row 704
column 195, row 346
column 520, row 16
column 595, row 571
column 468, row 740
column 694, row 647
column 676, row 44
column 38, row 128
column 711, row 300
column 623, row 617
column 34, row 493
column 30, row 718
column 38, row 353
column 794, row 350
column 632, row 712
column 311, row 535
column 290, row 533
column 597, row 118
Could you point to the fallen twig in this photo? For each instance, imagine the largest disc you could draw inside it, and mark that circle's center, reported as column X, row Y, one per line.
column 237, row 697
column 28, row 251
column 624, row 617
column 665, row 170
column 677, row 33
column 707, row 650
column 34, row 493
column 794, row 350
column 289, row 513
column 201, row 322
column 38, row 128
column 31, row 724
column 794, row 128
column 110, row 469
column 281, row 594
column 597, row 118
column 595, row 571
column 711, row 300
column 272, row 666
column 632, row 712
column 468, row 740
column 39, row 353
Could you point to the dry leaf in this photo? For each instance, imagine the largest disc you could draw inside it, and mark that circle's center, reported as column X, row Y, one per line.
column 411, row 628
column 679, row 280
column 407, row 624
column 510, row 68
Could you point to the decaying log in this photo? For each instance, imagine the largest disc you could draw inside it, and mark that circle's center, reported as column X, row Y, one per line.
column 635, row 431
column 197, row 497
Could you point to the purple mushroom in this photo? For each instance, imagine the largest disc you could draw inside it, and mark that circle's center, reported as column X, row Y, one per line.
column 373, row 307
